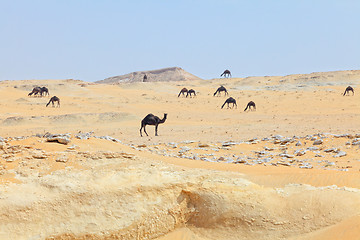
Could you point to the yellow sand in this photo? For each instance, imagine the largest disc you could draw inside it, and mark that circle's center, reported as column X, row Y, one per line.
column 274, row 197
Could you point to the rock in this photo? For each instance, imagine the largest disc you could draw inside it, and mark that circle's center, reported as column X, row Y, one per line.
column 312, row 149
column 60, row 138
column 300, row 152
column 318, row 155
column 286, row 155
column 269, row 149
column 62, row 159
column 340, row 154
column 38, row 155
column 356, row 141
column 184, row 149
column 204, row 145
column 253, row 139
column 306, row 165
column 72, row 147
column 172, row 144
column 109, row 138
column 335, row 150
column 141, row 145
column 240, row 160
column 285, row 141
column 298, row 144
column 318, row 142
column 84, row 136
column 342, row 135
column 228, row 144
column 284, row 164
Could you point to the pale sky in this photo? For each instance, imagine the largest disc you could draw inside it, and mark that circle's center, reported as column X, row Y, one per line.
column 92, row 40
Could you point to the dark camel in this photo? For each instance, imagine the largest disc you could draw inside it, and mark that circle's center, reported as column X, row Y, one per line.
column 44, row 91
column 54, row 99
column 35, row 91
column 150, row 119
column 228, row 101
column 183, row 91
column 348, row 90
column 145, row 78
column 191, row 91
column 226, row 73
column 250, row 105
column 221, row 89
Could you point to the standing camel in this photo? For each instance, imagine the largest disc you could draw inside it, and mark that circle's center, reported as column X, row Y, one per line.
column 250, row 105
column 183, row 91
column 145, row 78
column 226, row 73
column 221, row 89
column 35, row 91
column 191, row 91
column 150, row 119
column 348, row 90
column 52, row 100
column 228, row 101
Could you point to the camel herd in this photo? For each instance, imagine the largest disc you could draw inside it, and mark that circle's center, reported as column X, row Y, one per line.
column 43, row 91
column 151, row 119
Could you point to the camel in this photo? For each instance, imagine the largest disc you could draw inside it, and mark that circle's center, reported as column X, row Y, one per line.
column 191, row 91
column 228, row 101
column 249, row 105
column 45, row 91
column 145, row 78
column 221, row 89
column 52, row 100
column 183, row 91
column 150, row 119
column 348, row 90
column 226, row 73
column 35, row 91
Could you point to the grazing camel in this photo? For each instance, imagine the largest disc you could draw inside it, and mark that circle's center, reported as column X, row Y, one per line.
column 191, row 91
column 145, row 78
column 249, row 105
column 226, row 73
column 183, row 91
column 150, row 119
column 228, row 101
column 52, row 100
column 348, row 90
column 221, row 89
column 44, row 90
column 35, row 91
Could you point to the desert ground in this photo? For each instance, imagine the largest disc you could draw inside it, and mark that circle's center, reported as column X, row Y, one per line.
column 289, row 170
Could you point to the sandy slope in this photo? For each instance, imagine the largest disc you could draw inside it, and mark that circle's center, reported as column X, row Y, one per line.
column 141, row 188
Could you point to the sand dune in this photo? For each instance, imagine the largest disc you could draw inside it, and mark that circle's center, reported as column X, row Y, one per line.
column 210, row 174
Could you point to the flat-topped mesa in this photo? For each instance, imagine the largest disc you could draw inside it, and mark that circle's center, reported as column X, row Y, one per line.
column 159, row 75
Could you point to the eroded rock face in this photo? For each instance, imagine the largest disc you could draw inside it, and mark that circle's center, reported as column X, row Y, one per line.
column 160, row 75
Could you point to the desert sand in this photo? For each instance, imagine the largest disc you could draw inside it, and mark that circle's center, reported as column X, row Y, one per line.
column 289, row 170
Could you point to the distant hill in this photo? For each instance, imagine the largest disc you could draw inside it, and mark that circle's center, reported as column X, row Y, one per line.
column 160, row 75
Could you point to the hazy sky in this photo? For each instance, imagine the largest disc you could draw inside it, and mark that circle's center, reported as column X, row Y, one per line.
column 91, row 40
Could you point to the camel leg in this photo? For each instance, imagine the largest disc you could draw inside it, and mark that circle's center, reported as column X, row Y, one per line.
column 156, row 127
column 140, row 131
column 235, row 105
column 145, row 130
